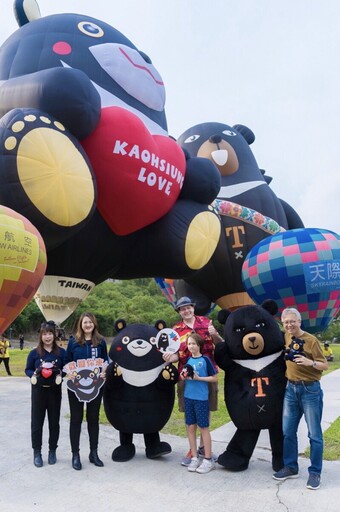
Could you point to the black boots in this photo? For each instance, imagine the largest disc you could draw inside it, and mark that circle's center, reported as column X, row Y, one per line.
column 52, row 457
column 76, row 464
column 37, row 460
column 93, row 457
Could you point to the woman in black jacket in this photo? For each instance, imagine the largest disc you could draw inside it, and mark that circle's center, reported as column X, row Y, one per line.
column 44, row 367
column 87, row 344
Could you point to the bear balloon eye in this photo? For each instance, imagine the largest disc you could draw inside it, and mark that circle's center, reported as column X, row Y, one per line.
column 192, row 138
column 230, row 133
column 260, row 324
column 239, row 329
column 90, row 29
column 125, row 340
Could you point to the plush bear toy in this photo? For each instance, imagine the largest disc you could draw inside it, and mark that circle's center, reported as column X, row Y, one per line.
column 47, row 374
column 187, row 371
column 139, row 392
column 85, row 154
column 252, row 357
column 249, row 209
column 295, row 349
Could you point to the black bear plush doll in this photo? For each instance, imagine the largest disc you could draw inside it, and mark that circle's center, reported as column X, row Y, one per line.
column 295, row 349
column 139, row 392
column 47, row 374
column 252, row 357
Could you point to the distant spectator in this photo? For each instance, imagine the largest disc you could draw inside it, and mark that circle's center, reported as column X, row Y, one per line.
column 21, row 341
column 327, row 352
column 4, row 354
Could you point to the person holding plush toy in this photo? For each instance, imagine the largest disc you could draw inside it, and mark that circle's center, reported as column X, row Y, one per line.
column 203, row 326
column 303, row 396
column 197, row 373
column 44, row 368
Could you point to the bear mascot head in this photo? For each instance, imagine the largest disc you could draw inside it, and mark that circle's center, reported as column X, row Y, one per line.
column 252, row 356
column 139, row 392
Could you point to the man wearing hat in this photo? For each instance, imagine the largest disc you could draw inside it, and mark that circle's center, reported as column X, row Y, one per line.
column 203, row 326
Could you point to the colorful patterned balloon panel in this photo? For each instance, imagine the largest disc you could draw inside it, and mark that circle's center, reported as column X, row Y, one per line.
column 167, row 288
column 22, row 264
column 298, row 268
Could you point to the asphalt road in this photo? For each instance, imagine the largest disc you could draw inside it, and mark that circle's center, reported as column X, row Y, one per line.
column 144, row 485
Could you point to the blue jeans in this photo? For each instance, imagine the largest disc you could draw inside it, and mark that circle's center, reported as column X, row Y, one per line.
column 307, row 400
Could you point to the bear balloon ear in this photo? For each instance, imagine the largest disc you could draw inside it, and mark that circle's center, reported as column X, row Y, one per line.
column 245, row 132
column 270, row 306
column 223, row 315
column 160, row 324
column 26, row 11
column 267, row 178
column 120, row 324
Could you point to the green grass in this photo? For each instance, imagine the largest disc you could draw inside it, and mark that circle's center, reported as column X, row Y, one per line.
column 332, row 442
column 17, row 362
column 175, row 425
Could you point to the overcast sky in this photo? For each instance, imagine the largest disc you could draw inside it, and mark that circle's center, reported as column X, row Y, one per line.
column 269, row 64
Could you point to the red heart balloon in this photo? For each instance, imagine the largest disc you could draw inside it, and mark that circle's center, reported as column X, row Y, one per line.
column 139, row 175
column 46, row 372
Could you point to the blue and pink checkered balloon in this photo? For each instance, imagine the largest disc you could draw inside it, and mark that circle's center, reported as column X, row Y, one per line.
column 297, row 268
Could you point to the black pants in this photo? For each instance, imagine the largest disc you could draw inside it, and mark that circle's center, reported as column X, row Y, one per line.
column 6, row 363
column 45, row 399
column 92, row 418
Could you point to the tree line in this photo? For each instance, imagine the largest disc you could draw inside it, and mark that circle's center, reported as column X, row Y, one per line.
column 135, row 300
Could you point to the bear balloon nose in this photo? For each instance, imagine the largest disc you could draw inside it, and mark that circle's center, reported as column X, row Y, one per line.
column 215, row 139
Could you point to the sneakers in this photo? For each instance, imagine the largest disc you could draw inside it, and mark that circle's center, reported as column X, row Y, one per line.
column 313, row 481
column 186, row 459
column 286, row 473
column 201, row 454
column 194, row 463
column 206, row 466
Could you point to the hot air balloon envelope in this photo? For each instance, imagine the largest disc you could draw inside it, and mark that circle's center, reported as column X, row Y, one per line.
column 297, row 268
column 22, row 264
column 58, row 296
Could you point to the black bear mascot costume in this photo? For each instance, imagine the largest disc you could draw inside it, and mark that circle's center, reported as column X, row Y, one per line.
column 139, row 392
column 252, row 357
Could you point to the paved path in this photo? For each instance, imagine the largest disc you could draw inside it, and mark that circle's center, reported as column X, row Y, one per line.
column 144, row 485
